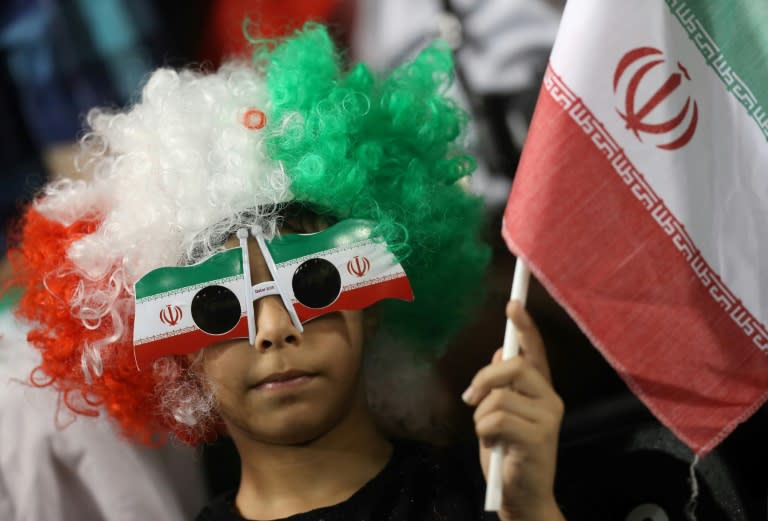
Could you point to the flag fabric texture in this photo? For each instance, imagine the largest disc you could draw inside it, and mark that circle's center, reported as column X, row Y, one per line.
column 182, row 309
column 642, row 196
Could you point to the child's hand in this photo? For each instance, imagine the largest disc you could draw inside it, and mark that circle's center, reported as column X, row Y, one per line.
column 517, row 406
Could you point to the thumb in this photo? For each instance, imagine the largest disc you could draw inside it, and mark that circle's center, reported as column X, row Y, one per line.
column 531, row 343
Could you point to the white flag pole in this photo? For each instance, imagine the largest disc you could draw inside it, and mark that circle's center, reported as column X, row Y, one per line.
column 511, row 348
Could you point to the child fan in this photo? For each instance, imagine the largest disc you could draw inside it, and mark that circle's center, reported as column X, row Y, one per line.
column 243, row 236
column 180, row 172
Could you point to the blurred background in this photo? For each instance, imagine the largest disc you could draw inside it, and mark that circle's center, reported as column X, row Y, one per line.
column 59, row 58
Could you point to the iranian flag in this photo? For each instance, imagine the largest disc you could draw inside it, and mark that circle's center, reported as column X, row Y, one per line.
column 173, row 303
column 641, row 200
column 343, row 267
column 182, row 309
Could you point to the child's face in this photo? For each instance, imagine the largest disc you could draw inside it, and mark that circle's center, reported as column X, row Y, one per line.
column 326, row 360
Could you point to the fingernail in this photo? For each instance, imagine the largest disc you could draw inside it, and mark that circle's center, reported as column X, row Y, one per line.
column 467, row 395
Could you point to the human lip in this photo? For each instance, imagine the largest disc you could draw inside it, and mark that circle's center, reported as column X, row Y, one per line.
column 284, row 380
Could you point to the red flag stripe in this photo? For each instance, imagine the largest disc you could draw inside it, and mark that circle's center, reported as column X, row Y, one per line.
column 361, row 297
column 184, row 343
column 605, row 245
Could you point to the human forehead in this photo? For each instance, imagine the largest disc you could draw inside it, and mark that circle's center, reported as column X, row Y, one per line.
column 293, row 218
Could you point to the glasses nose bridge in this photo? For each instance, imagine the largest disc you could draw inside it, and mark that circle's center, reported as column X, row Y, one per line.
column 282, row 325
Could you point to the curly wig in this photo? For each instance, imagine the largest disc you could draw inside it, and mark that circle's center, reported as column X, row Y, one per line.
column 199, row 155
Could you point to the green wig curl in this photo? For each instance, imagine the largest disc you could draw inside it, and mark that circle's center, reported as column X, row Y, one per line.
column 357, row 144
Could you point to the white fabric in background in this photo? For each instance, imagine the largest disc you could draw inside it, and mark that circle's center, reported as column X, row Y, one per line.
column 504, row 47
column 83, row 472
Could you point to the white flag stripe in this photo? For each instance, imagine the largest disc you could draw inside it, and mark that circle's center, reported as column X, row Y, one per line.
column 381, row 265
column 149, row 322
column 352, row 249
column 188, row 289
column 721, row 197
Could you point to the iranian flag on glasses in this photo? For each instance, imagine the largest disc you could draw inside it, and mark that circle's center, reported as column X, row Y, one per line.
column 180, row 310
column 641, row 200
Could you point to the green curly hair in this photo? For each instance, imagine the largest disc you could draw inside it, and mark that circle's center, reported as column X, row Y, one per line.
column 384, row 148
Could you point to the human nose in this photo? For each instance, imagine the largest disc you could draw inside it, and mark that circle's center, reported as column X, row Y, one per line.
column 274, row 327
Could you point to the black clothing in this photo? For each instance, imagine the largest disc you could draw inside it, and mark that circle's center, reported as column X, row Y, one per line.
column 419, row 483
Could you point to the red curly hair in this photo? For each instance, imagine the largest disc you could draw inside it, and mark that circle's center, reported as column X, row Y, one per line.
column 50, row 279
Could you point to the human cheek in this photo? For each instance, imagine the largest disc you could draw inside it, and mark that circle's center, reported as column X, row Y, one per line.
column 225, row 369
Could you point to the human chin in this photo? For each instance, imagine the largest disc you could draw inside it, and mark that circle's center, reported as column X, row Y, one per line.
column 294, row 420
column 297, row 415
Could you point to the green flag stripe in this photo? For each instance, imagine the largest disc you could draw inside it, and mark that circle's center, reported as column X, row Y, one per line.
column 732, row 38
column 344, row 233
column 228, row 263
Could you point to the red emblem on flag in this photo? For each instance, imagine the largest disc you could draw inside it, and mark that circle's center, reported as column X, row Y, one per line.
column 170, row 315
column 358, row 266
column 674, row 132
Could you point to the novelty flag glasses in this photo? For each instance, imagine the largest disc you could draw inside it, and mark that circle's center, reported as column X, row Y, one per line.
column 180, row 310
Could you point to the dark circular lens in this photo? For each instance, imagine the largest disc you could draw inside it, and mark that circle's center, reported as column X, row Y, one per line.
column 215, row 309
column 316, row 283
